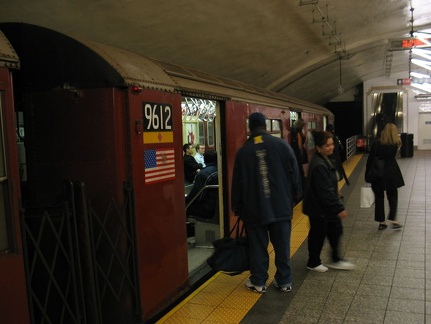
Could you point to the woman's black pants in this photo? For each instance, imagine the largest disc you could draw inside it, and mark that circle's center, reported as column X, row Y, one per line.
column 379, row 208
column 319, row 230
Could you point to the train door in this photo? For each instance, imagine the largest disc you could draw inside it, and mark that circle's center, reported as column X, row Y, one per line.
column 201, row 125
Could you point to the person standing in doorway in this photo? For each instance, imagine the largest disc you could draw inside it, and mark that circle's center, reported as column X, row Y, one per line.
column 386, row 148
column 264, row 183
column 323, row 206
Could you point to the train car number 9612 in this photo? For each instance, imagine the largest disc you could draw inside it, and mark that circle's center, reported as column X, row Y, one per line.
column 157, row 116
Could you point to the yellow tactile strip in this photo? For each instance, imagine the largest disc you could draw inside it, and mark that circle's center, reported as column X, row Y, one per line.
column 217, row 300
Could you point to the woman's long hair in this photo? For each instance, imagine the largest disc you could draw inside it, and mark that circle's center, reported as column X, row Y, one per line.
column 390, row 136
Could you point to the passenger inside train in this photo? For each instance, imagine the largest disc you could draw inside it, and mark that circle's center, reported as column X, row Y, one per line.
column 191, row 167
column 199, row 156
column 201, row 202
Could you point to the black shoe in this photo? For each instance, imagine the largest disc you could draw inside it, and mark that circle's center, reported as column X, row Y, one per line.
column 383, row 226
column 396, row 226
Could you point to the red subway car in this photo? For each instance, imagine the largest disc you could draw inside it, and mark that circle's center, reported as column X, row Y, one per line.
column 13, row 296
column 102, row 129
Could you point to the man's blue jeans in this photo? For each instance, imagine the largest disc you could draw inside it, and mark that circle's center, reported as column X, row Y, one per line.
column 279, row 235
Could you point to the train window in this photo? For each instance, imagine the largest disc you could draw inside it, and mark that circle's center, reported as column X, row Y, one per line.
column 311, row 125
column 268, row 125
column 3, row 188
column 276, row 125
column 201, row 133
column 273, row 127
column 198, row 121
column 293, row 117
column 210, row 132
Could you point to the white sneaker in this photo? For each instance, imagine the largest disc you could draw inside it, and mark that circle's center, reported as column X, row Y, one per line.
column 259, row 289
column 319, row 268
column 282, row 289
column 342, row 265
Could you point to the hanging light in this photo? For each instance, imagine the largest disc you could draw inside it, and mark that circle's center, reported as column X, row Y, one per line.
column 422, row 63
column 419, row 75
column 340, row 86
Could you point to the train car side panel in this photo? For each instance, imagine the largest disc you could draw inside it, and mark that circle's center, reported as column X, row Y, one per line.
column 79, row 136
column 236, row 134
column 13, row 297
column 158, row 180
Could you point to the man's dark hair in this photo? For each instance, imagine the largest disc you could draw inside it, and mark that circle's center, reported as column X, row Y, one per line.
column 210, row 156
column 185, row 147
column 256, row 121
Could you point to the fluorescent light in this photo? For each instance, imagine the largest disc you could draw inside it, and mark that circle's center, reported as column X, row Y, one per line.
column 424, row 64
column 424, row 87
column 421, row 52
column 419, row 75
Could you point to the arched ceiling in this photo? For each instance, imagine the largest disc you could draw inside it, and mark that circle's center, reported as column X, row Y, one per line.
column 281, row 45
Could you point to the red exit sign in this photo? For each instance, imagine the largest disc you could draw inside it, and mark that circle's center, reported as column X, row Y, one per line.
column 407, row 43
column 405, row 81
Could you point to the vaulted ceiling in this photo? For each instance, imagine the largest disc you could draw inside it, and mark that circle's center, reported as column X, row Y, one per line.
column 295, row 47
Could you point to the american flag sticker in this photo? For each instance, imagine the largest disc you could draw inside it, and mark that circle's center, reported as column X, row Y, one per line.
column 159, row 165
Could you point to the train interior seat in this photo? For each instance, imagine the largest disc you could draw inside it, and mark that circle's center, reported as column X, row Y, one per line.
column 188, row 188
column 206, row 230
column 202, row 231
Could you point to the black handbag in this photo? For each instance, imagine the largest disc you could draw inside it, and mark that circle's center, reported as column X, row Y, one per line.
column 376, row 170
column 231, row 254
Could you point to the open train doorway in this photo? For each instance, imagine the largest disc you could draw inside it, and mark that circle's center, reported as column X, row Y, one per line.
column 203, row 194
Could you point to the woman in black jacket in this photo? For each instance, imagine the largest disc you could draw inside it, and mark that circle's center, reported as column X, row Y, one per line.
column 386, row 148
column 323, row 206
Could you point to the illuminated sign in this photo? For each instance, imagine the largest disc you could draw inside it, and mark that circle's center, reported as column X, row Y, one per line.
column 399, row 44
column 405, row 81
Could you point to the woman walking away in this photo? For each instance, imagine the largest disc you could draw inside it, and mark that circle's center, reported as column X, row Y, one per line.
column 386, row 149
column 323, row 206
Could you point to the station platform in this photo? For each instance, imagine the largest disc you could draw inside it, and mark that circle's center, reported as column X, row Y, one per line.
column 390, row 284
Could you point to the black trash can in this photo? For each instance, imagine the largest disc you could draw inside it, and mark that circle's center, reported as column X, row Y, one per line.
column 406, row 145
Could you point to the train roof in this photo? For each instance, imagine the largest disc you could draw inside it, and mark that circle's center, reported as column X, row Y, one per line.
column 150, row 73
column 79, row 63
column 8, row 56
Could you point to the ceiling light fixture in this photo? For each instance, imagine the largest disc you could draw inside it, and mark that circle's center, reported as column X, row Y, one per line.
column 425, row 87
column 419, row 75
column 340, row 86
column 421, row 52
column 422, row 63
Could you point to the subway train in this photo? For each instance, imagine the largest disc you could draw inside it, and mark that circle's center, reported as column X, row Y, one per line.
column 93, row 227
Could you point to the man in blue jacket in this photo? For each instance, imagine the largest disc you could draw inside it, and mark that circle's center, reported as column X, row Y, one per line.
column 265, row 183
